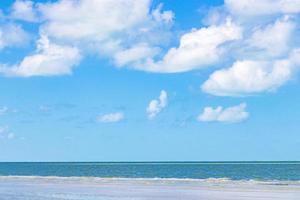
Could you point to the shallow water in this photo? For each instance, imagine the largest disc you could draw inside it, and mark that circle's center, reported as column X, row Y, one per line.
column 87, row 188
column 147, row 181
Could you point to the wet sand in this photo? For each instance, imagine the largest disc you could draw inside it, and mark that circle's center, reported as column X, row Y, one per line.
column 54, row 188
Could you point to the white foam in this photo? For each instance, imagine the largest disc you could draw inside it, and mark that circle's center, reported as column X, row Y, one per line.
column 154, row 180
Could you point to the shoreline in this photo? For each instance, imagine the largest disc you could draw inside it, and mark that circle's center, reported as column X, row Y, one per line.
column 82, row 188
column 154, row 179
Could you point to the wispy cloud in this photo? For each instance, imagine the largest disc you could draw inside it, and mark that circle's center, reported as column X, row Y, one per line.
column 252, row 8
column 12, row 35
column 219, row 114
column 24, row 10
column 156, row 105
column 111, row 117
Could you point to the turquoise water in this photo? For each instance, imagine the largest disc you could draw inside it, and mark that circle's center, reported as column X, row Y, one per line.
column 286, row 171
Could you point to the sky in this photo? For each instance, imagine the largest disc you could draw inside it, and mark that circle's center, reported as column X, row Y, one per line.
column 142, row 80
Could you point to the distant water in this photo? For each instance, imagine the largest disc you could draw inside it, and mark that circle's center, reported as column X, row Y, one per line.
column 265, row 171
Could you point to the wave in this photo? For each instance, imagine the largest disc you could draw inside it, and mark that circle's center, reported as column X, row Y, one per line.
column 224, row 180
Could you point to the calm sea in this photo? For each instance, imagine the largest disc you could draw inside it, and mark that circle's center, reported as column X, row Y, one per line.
column 286, row 171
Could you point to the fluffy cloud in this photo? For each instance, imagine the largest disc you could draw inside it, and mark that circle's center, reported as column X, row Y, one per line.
column 111, row 117
column 231, row 114
column 12, row 35
column 274, row 39
column 125, row 31
column 197, row 49
column 49, row 59
column 155, row 106
column 92, row 19
column 134, row 34
column 252, row 76
column 262, row 7
column 6, row 134
column 266, row 58
column 23, row 10
column 103, row 25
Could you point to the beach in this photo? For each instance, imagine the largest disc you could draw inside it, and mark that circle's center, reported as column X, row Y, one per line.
column 91, row 188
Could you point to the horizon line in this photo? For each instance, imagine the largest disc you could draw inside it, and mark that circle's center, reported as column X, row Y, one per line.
column 235, row 161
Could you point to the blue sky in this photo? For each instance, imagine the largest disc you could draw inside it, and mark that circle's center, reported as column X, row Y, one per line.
column 149, row 80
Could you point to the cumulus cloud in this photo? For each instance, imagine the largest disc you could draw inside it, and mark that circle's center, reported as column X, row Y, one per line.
column 12, row 35
column 252, row 76
column 124, row 31
column 111, row 117
column 262, row 7
column 219, row 114
column 266, row 58
column 157, row 105
column 49, row 59
column 92, row 19
column 197, row 49
column 6, row 134
column 24, row 10
column 134, row 34
column 274, row 39
column 103, row 23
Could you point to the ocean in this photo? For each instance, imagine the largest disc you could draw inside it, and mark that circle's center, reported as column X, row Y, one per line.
column 150, row 180
column 281, row 171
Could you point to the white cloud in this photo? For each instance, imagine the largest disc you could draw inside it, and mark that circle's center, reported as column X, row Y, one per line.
column 133, row 34
column 121, row 30
column 23, row 10
column 92, row 19
column 155, row 106
column 231, row 114
column 262, row 7
column 264, row 59
column 165, row 16
column 124, row 31
column 12, row 35
column 274, row 39
column 251, row 76
column 6, row 134
column 138, row 53
column 97, row 24
column 197, row 49
column 111, row 117
column 49, row 59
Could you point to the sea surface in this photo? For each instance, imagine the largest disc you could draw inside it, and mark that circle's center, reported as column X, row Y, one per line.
column 150, row 181
column 281, row 171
